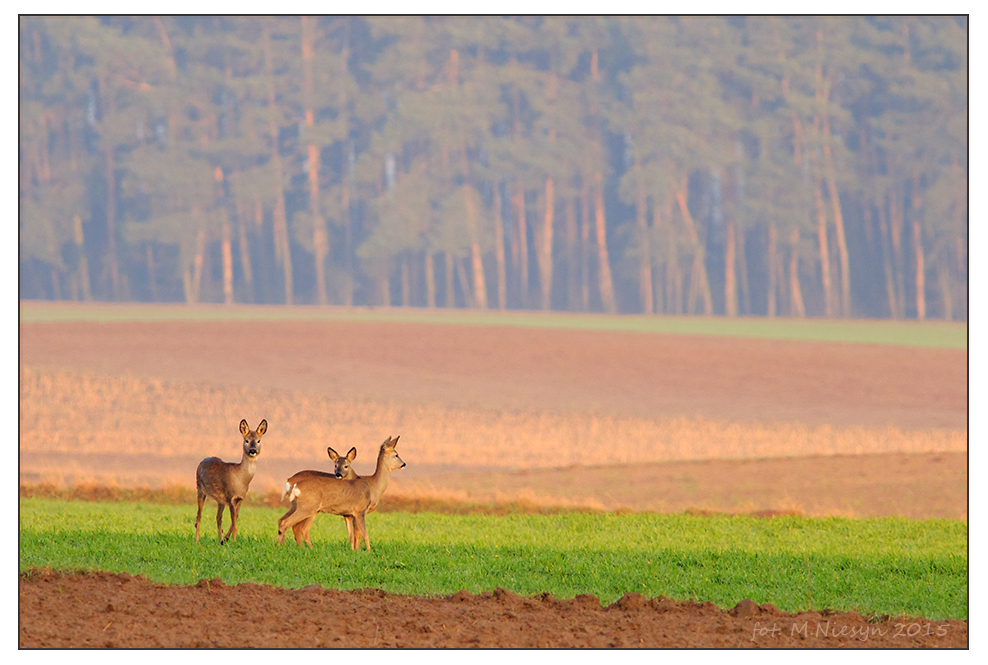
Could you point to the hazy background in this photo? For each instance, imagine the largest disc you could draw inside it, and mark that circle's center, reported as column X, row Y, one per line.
column 739, row 166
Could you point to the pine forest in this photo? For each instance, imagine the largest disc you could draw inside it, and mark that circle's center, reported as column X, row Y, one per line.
column 729, row 166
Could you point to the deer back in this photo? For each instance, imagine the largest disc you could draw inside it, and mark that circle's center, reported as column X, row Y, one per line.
column 222, row 480
column 322, row 492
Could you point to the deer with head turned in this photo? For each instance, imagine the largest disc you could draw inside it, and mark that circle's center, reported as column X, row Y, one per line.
column 227, row 482
column 343, row 470
column 313, row 492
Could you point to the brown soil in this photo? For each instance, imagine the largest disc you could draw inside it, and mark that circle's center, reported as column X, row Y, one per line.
column 105, row 610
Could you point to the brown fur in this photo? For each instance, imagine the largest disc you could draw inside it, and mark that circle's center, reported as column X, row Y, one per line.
column 313, row 492
column 227, row 482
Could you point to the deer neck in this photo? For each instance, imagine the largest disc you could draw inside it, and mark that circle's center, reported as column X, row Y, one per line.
column 379, row 481
column 245, row 469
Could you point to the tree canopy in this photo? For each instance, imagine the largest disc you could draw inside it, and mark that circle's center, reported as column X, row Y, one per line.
column 769, row 166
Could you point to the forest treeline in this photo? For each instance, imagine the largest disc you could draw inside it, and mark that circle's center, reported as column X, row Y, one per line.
column 734, row 166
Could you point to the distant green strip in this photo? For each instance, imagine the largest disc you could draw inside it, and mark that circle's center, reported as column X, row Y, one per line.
column 938, row 334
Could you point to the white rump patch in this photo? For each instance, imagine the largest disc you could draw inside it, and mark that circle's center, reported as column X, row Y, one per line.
column 296, row 491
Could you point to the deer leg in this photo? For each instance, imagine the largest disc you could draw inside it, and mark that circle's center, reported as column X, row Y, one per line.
column 351, row 531
column 361, row 531
column 219, row 521
column 201, row 499
column 349, row 527
column 306, row 526
column 301, row 531
column 288, row 521
column 281, row 523
column 234, row 512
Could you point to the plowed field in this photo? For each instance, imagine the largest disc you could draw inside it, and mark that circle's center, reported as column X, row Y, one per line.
column 114, row 611
column 598, row 419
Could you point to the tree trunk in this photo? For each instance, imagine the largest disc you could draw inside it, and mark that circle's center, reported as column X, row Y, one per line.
column 897, row 222
column 545, row 245
column 320, row 238
column 796, row 307
column 572, row 286
column 821, row 229
column 673, row 275
column 405, row 286
column 730, row 285
column 245, row 263
column 38, row 155
column 958, row 229
column 430, row 281
column 450, row 300
column 920, row 273
column 943, row 277
column 461, row 275
column 604, row 268
column 585, row 246
column 502, row 282
column 194, row 280
column 348, row 281
column 522, row 238
column 227, row 261
column 702, row 284
column 773, row 242
column 479, row 298
column 845, row 271
column 887, row 261
column 282, row 243
column 225, row 236
column 111, row 224
column 742, row 261
column 479, row 285
column 87, row 294
column 645, row 259
column 264, row 285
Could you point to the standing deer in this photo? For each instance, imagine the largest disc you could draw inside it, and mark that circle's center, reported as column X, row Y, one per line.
column 342, row 470
column 313, row 492
column 227, row 482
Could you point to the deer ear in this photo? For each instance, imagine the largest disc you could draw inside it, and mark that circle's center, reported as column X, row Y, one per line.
column 352, row 455
column 244, row 428
column 394, row 442
column 332, row 454
column 262, row 428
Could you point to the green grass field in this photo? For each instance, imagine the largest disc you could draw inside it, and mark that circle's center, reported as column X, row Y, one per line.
column 883, row 566
column 909, row 333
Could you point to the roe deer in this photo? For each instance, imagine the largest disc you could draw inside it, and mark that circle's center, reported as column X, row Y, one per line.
column 227, row 482
column 312, row 492
column 342, row 470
